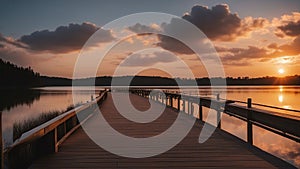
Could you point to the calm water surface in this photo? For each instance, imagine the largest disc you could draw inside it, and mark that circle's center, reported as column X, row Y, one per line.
column 280, row 96
column 22, row 105
column 17, row 106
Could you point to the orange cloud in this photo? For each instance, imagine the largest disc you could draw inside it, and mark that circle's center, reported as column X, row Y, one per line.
column 287, row 25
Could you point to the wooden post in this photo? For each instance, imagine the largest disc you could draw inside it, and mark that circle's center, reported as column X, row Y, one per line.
column 192, row 109
column 171, row 101
column 167, row 100
column 178, row 104
column 218, row 112
column 189, row 107
column 249, row 123
column 200, row 111
column 183, row 105
column 55, row 140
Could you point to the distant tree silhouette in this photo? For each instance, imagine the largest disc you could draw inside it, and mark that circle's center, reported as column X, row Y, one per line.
column 14, row 76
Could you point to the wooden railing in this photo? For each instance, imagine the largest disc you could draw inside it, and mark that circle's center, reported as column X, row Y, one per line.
column 47, row 137
column 283, row 124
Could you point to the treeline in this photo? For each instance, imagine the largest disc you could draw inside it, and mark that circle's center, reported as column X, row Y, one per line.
column 267, row 80
column 163, row 81
column 15, row 76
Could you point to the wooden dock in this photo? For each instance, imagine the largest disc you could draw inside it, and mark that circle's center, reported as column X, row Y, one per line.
column 222, row 150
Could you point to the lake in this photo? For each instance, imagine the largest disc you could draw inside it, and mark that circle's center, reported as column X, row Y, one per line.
column 17, row 106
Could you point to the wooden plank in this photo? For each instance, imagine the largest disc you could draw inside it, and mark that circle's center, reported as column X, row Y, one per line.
column 220, row 151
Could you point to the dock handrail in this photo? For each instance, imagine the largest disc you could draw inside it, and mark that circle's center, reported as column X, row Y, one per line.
column 46, row 138
column 266, row 119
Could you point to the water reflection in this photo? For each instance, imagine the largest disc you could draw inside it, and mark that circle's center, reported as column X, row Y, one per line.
column 13, row 98
column 21, row 105
column 275, row 144
column 280, row 98
column 17, row 106
column 280, row 88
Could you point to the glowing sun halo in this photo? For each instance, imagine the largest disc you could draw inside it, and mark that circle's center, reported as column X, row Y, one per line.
column 280, row 71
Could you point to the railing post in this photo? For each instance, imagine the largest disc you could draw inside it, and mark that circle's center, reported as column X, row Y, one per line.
column 192, row 109
column 189, row 107
column 218, row 111
column 200, row 111
column 249, row 123
column 183, row 105
column 178, row 103
column 55, row 140
column 167, row 100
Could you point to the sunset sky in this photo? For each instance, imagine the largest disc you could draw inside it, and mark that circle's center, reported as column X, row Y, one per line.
column 253, row 38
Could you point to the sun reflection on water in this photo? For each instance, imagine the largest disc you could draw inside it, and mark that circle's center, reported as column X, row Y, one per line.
column 280, row 98
column 281, row 88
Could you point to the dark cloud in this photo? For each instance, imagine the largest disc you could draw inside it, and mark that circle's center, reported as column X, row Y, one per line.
column 290, row 29
column 184, row 33
column 139, row 59
column 218, row 23
column 65, row 38
column 173, row 45
column 241, row 56
column 139, row 28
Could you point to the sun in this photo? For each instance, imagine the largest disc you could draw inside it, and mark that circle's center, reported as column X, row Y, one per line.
column 281, row 71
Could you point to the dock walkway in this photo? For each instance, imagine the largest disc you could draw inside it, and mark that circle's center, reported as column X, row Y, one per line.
column 221, row 150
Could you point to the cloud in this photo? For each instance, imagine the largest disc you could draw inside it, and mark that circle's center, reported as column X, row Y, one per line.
column 287, row 53
column 241, row 56
column 291, row 28
column 178, row 28
column 139, row 28
column 273, row 46
column 9, row 40
column 139, row 59
column 173, row 45
column 292, row 48
column 287, row 25
column 219, row 24
column 65, row 38
column 18, row 56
